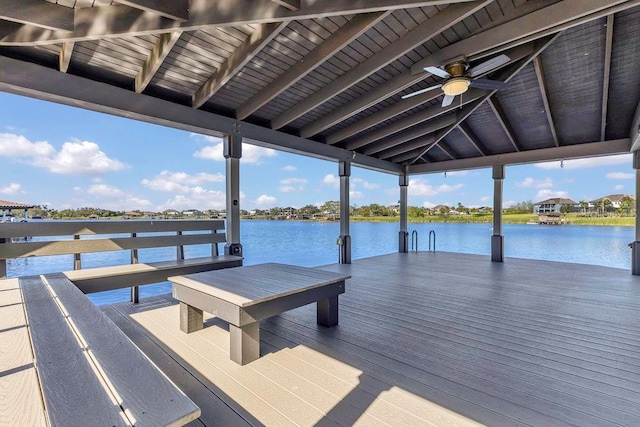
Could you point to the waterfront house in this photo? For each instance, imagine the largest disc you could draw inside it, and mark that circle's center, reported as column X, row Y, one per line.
column 556, row 205
column 611, row 202
column 405, row 88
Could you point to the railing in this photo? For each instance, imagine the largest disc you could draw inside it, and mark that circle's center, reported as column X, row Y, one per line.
column 414, row 236
column 432, row 233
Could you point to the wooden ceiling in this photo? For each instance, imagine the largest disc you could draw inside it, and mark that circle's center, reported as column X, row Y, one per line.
column 326, row 78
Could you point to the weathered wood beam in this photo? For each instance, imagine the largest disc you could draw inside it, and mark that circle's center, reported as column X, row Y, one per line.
column 289, row 4
column 503, row 120
column 472, row 138
column 37, row 81
column 417, row 143
column 542, row 85
column 334, row 43
column 605, row 78
column 65, row 56
column 155, row 59
column 116, row 21
column 178, row 10
column 447, row 150
column 38, row 13
column 260, row 37
column 423, row 32
column 593, row 149
column 412, row 120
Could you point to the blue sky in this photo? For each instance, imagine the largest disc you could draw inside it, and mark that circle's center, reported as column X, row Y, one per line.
column 66, row 157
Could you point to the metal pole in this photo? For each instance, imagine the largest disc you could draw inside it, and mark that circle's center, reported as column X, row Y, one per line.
column 232, row 150
column 497, row 239
column 635, row 246
column 403, row 235
column 344, row 170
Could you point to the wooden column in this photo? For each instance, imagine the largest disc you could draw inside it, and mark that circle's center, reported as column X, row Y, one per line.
column 403, row 235
column 635, row 246
column 497, row 239
column 344, row 241
column 232, row 150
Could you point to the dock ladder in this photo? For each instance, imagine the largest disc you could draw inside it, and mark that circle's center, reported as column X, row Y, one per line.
column 432, row 233
column 414, row 234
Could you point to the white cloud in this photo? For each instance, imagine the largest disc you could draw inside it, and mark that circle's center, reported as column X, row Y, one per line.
column 290, row 185
column 11, row 189
column 106, row 191
column 535, row 183
column 198, row 198
column 419, row 187
column 180, row 182
column 457, row 173
column 265, row 201
column 332, row 180
column 588, row 162
column 618, row 187
column 250, row 153
column 549, row 194
column 429, row 205
column 289, row 168
column 620, row 175
column 75, row 158
column 110, row 197
column 508, row 203
column 356, row 195
column 366, row 184
column 485, row 199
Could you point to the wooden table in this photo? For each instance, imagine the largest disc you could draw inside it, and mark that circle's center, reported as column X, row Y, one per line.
column 243, row 296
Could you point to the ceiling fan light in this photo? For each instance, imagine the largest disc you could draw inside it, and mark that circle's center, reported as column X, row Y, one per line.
column 456, row 86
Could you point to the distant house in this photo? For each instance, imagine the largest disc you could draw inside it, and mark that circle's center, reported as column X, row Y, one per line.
column 615, row 200
column 554, row 205
column 192, row 212
column 170, row 212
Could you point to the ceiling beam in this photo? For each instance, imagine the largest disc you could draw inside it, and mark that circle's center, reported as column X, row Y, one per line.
column 417, row 143
column 542, row 85
column 37, row 81
column 423, row 32
column 289, row 4
column 447, row 150
column 412, row 120
column 472, row 138
column 178, row 10
column 592, row 149
column 38, row 13
column 116, row 21
column 411, row 133
column 503, row 120
column 260, row 37
column 634, row 133
column 353, row 29
column 155, row 59
column 64, row 58
column 605, row 78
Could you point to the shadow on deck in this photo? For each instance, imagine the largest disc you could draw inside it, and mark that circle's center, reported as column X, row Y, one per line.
column 424, row 339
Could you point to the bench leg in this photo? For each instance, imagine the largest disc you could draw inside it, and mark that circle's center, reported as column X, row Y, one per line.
column 190, row 318
column 245, row 343
column 328, row 311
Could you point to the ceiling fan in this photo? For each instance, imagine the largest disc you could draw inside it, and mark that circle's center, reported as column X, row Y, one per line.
column 459, row 78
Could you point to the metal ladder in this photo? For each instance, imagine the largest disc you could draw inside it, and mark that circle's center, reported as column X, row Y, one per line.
column 432, row 233
column 414, row 233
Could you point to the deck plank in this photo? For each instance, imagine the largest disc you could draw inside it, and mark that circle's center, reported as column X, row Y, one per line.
column 440, row 338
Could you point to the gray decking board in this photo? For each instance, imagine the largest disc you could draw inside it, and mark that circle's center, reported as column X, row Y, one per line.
column 524, row 342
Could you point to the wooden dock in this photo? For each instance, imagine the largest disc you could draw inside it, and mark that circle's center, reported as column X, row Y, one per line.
column 424, row 339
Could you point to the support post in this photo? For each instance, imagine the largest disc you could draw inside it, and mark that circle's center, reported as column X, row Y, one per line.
column 497, row 239
column 635, row 246
column 232, row 151
column 403, row 235
column 344, row 241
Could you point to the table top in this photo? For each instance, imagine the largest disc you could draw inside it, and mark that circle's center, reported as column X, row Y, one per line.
column 253, row 284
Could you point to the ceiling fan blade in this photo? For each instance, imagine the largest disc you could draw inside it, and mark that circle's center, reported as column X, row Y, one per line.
column 438, row 72
column 489, row 65
column 420, row 92
column 488, row 84
column 447, row 100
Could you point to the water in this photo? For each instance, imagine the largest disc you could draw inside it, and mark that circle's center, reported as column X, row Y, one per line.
column 312, row 243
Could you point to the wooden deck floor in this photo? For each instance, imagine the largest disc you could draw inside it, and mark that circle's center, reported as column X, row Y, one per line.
column 424, row 339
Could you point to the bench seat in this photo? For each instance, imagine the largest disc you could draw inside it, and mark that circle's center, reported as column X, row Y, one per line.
column 123, row 276
column 89, row 372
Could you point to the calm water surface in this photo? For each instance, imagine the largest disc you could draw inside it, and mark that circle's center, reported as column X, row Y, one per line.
column 311, row 244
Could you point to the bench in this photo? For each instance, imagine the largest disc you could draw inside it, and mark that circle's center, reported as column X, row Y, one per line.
column 20, row 240
column 243, row 296
column 64, row 363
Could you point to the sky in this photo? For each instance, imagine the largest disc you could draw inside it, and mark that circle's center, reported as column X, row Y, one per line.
column 65, row 157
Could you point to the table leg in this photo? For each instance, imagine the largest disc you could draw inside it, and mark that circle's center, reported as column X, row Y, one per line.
column 190, row 318
column 328, row 311
column 245, row 343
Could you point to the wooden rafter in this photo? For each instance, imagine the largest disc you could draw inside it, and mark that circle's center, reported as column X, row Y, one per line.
column 605, row 77
column 503, row 120
column 434, row 26
column 155, row 59
column 334, row 43
column 447, row 150
column 65, row 56
column 260, row 37
column 417, row 143
column 38, row 13
column 472, row 138
column 542, row 85
column 178, row 10
column 289, row 4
